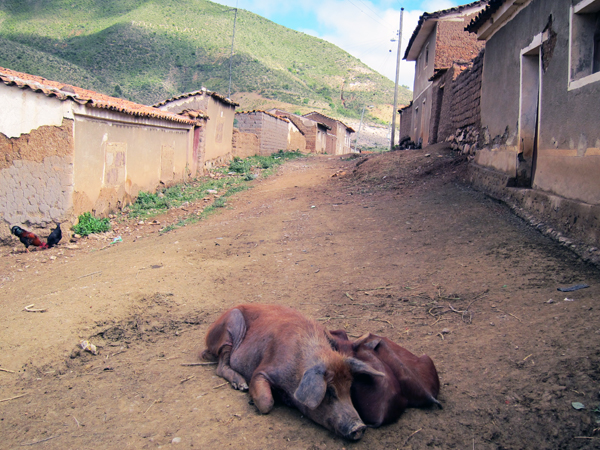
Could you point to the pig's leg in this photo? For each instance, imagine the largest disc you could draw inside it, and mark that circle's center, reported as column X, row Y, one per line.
column 260, row 391
column 236, row 330
column 224, row 370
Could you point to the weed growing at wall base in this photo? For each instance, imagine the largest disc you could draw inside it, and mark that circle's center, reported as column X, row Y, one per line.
column 88, row 224
column 227, row 182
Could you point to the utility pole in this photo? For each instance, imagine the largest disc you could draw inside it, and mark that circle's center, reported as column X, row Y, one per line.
column 231, row 56
column 396, row 86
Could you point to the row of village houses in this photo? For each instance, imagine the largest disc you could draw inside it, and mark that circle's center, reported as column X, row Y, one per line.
column 67, row 150
column 515, row 84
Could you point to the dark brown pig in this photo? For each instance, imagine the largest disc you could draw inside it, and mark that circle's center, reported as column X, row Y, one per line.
column 408, row 381
column 271, row 349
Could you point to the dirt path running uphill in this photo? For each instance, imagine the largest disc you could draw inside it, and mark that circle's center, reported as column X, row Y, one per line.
column 393, row 244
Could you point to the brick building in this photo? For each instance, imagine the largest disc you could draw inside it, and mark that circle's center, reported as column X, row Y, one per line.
column 314, row 132
column 438, row 44
column 271, row 130
column 340, row 133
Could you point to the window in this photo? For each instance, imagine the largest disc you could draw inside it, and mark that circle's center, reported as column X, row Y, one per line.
column 426, row 55
column 584, row 64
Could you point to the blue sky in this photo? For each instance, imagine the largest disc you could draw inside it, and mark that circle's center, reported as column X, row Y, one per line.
column 363, row 28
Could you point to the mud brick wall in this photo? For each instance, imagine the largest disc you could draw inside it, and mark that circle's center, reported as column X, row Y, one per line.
column 406, row 122
column 443, row 99
column 36, row 178
column 461, row 105
column 297, row 141
column 272, row 132
column 245, row 144
column 467, row 95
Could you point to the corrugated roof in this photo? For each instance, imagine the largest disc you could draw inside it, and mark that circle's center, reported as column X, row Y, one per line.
column 202, row 91
column 82, row 96
column 427, row 21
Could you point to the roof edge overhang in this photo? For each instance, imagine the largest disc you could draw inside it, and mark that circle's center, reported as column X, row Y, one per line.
column 497, row 14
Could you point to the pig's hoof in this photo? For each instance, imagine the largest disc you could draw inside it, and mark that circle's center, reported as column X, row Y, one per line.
column 239, row 385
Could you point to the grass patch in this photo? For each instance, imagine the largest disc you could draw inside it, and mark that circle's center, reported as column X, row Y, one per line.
column 252, row 164
column 231, row 180
column 88, row 224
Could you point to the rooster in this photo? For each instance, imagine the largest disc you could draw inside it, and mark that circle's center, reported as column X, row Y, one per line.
column 27, row 238
column 54, row 237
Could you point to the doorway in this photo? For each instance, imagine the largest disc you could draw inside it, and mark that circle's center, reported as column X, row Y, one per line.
column 529, row 112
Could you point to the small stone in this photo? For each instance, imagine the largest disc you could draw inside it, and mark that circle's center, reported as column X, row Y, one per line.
column 550, row 301
column 176, row 440
column 446, row 331
column 492, row 324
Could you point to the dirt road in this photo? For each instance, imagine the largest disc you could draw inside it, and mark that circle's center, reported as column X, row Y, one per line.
column 393, row 244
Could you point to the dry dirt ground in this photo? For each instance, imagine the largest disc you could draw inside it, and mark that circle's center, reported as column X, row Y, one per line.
column 393, row 244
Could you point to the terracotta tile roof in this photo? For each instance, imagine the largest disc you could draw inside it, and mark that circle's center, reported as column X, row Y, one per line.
column 202, row 91
column 82, row 96
column 484, row 15
column 263, row 112
column 428, row 20
column 453, row 44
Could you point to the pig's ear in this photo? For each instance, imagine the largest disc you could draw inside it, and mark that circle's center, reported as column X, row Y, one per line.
column 341, row 334
column 358, row 367
column 312, row 387
column 373, row 344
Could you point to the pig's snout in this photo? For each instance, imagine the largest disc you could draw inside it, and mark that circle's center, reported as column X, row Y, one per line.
column 354, row 431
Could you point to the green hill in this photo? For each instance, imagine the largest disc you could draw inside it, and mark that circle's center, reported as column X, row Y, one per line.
column 149, row 50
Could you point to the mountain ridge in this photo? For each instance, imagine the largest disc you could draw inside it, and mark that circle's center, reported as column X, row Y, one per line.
column 147, row 51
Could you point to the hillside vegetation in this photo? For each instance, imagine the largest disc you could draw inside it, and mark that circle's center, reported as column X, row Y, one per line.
column 150, row 50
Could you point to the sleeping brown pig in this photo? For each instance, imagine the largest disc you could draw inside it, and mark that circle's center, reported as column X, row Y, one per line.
column 271, row 349
column 408, row 381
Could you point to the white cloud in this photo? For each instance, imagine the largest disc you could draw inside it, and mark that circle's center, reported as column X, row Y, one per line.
column 360, row 27
column 366, row 33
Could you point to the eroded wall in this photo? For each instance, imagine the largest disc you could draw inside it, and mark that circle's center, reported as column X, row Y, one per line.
column 36, row 177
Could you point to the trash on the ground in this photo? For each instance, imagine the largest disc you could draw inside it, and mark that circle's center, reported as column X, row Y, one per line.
column 212, row 191
column 117, row 239
column 567, row 299
column 573, row 288
column 550, row 301
column 446, row 331
column 88, row 347
column 578, row 405
column 29, row 308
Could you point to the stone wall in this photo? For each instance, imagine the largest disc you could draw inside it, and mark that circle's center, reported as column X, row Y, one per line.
column 36, row 178
column 245, row 144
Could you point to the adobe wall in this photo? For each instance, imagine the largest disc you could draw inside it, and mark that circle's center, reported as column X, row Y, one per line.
column 406, row 122
column 116, row 156
column 460, row 110
column 36, row 178
column 296, row 140
column 245, row 144
column 272, row 132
